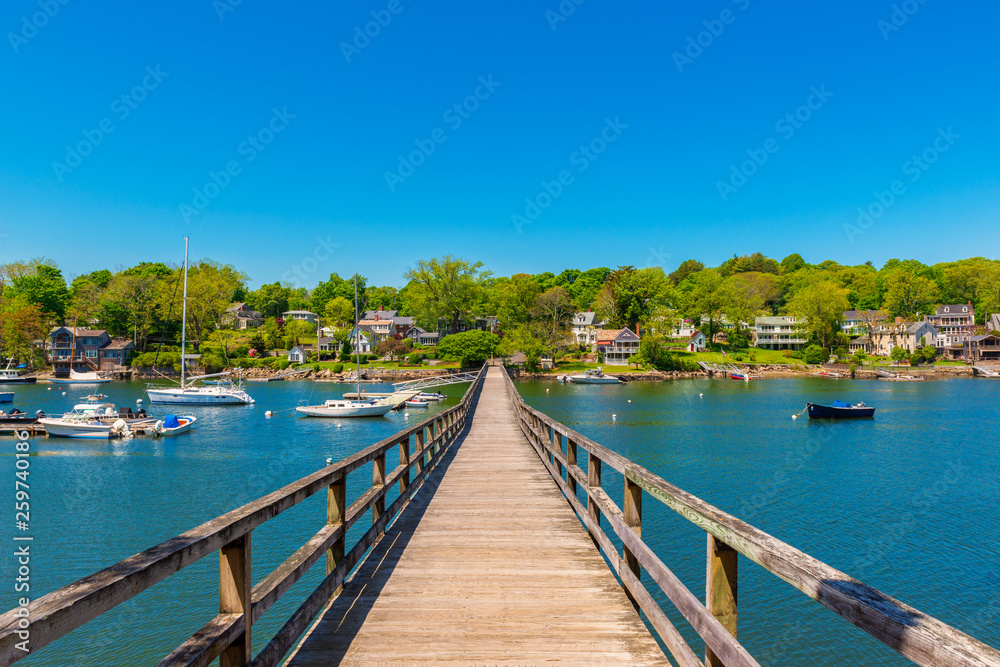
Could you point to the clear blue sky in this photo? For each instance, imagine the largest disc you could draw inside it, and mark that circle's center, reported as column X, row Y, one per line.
column 652, row 196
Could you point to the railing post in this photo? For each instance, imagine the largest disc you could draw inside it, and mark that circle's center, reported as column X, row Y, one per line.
column 557, row 444
column 570, row 462
column 593, row 482
column 421, row 438
column 437, row 434
column 404, row 459
column 720, row 589
column 234, row 597
column 633, row 519
column 378, row 480
column 336, row 510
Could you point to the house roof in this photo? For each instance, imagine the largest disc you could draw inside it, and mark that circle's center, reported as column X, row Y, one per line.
column 781, row 319
column 613, row 334
column 324, row 340
column 299, row 348
column 79, row 331
column 403, row 321
column 954, row 308
column 917, row 326
column 298, row 312
column 120, row 345
column 979, row 339
column 375, row 323
column 380, row 314
column 857, row 315
column 994, row 322
column 417, row 329
column 695, row 335
column 587, row 319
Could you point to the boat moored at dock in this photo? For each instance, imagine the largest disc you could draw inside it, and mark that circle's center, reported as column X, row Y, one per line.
column 9, row 375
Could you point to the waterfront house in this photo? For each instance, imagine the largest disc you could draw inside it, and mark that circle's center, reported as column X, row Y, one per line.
column 617, row 345
column 94, row 350
column 696, row 343
column 421, row 337
column 363, row 339
column 684, row 329
column 383, row 329
column 908, row 335
column 856, row 323
column 780, row 333
column 982, row 348
column 241, row 316
column 304, row 315
column 297, row 355
column 397, row 327
column 585, row 327
column 955, row 324
column 325, row 346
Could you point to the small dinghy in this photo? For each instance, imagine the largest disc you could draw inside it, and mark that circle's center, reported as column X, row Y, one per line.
column 416, row 403
column 839, row 410
column 174, row 425
column 435, row 396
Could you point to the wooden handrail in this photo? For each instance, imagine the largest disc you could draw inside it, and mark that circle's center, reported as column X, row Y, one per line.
column 228, row 634
column 921, row 638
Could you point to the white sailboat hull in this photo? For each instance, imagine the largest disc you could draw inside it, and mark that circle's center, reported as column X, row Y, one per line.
column 73, row 381
column 344, row 411
column 199, row 396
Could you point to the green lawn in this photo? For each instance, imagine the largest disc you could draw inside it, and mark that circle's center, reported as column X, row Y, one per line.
column 387, row 365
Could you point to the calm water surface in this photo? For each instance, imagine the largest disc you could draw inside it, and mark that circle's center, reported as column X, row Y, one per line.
column 906, row 502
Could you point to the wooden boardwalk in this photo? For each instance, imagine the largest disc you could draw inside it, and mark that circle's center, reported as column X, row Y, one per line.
column 487, row 565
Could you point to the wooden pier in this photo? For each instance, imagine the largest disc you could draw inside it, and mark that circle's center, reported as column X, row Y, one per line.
column 488, row 544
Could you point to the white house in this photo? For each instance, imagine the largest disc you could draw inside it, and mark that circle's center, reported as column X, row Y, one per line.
column 585, row 328
column 779, row 333
column 696, row 343
column 683, row 329
column 297, row 355
column 418, row 335
column 955, row 324
column 363, row 340
column 305, row 315
column 618, row 345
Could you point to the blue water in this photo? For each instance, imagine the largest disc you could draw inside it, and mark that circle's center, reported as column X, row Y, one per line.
column 905, row 502
column 95, row 503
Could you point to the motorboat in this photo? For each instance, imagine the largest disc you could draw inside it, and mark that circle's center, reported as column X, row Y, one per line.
column 417, row 403
column 435, row 396
column 99, row 419
column 17, row 418
column 9, row 375
column 345, row 408
column 6, row 397
column 230, row 393
column 174, row 425
column 593, row 376
column 839, row 410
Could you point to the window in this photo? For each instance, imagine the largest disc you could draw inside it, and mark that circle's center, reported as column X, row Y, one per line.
column 91, row 353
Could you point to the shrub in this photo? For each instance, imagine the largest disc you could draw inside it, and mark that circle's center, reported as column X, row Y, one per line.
column 337, row 368
column 373, row 357
column 283, row 364
column 315, row 368
column 415, row 359
column 814, row 354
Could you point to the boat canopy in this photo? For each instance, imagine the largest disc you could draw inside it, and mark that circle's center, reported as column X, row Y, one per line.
column 841, row 404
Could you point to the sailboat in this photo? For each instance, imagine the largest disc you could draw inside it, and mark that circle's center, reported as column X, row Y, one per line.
column 75, row 377
column 229, row 394
column 346, row 407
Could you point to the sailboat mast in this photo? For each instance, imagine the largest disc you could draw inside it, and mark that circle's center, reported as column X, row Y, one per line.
column 357, row 340
column 184, row 311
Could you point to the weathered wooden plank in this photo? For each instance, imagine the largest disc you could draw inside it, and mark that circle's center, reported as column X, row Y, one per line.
column 235, row 598
column 721, row 590
column 207, row 644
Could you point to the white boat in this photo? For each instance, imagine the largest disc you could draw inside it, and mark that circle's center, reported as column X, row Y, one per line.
column 10, row 376
column 593, row 376
column 436, row 396
column 174, row 425
column 95, row 419
column 346, row 407
column 81, row 378
column 222, row 394
column 416, row 403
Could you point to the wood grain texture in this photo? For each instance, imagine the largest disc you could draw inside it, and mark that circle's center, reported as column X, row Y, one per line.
column 487, row 565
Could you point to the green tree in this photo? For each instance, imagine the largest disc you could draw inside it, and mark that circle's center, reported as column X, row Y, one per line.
column 41, row 282
column 687, row 267
column 908, row 293
column 704, row 299
column 445, row 289
column 553, row 311
column 792, row 263
column 339, row 311
column 334, row 287
column 743, row 295
column 822, row 305
column 470, row 348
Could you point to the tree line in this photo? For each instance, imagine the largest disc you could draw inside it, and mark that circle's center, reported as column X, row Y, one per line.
column 534, row 311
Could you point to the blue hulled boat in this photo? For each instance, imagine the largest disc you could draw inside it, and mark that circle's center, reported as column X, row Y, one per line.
column 839, row 410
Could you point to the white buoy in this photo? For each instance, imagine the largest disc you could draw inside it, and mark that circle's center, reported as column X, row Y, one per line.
column 340, row 426
column 630, row 400
column 50, row 388
column 795, row 416
column 64, row 393
column 701, row 395
column 614, row 417
column 268, row 413
column 329, row 462
column 546, row 390
column 138, row 401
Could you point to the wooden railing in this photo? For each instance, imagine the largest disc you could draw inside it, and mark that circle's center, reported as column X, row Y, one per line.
column 921, row 638
column 228, row 635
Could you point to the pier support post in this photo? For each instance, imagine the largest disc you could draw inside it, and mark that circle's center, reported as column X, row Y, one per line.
column 594, row 482
column 570, row 462
column 235, row 597
column 633, row 519
column 421, row 438
column 720, row 589
column 557, row 444
column 336, row 511
column 404, row 460
column 378, row 480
